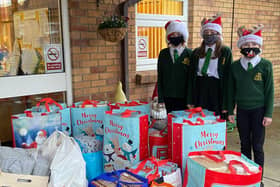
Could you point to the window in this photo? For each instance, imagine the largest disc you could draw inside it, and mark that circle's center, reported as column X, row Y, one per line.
column 151, row 16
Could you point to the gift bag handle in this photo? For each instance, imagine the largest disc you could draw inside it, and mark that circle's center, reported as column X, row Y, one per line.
column 164, row 184
column 127, row 113
column 89, row 102
column 210, row 156
column 237, row 162
column 197, row 110
column 199, row 121
column 154, row 161
column 48, row 101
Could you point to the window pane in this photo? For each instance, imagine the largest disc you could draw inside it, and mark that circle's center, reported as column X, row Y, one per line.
column 17, row 105
column 155, row 37
column 163, row 7
column 30, row 38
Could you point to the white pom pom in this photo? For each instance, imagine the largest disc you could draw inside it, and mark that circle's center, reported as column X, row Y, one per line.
column 23, row 132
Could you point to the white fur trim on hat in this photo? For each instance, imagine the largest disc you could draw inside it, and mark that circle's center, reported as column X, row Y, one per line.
column 249, row 38
column 177, row 26
column 211, row 26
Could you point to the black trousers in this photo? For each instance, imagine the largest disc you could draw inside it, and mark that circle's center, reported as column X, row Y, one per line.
column 251, row 133
column 174, row 103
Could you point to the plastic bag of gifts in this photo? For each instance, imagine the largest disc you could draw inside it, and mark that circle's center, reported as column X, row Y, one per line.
column 152, row 168
column 88, row 117
column 125, row 139
column 31, row 129
column 221, row 168
column 47, row 105
column 143, row 107
column 194, row 134
column 158, row 142
column 119, row 178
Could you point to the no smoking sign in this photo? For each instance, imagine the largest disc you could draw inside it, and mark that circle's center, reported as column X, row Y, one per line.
column 53, row 58
column 142, row 47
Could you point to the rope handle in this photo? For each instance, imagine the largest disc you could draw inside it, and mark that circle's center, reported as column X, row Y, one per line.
column 48, row 101
column 237, row 162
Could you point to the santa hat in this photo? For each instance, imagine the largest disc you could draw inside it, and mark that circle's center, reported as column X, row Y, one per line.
column 214, row 23
column 176, row 26
column 250, row 35
column 42, row 132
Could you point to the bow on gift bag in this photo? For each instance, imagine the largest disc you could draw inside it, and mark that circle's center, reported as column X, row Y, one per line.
column 221, row 168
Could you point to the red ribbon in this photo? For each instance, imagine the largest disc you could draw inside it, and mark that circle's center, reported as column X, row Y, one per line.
column 89, row 102
column 199, row 121
column 210, row 156
column 197, row 110
column 48, row 101
column 28, row 113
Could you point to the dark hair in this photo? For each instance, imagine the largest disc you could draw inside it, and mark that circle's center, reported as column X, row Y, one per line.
column 217, row 52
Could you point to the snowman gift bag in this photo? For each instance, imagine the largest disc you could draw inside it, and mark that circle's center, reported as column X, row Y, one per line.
column 125, row 139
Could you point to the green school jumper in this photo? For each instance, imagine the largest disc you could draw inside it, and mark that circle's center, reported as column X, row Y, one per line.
column 251, row 89
column 210, row 92
column 172, row 77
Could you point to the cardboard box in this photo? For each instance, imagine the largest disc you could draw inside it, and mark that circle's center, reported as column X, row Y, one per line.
column 16, row 180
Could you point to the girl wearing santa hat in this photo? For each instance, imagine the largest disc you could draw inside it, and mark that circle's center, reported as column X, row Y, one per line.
column 210, row 64
column 173, row 67
column 251, row 88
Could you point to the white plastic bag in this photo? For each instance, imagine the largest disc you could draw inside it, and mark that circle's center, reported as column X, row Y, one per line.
column 67, row 164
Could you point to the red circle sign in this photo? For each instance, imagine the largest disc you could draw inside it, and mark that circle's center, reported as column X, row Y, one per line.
column 142, row 44
column 53, row 54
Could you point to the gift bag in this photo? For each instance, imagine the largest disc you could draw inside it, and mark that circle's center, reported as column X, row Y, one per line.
column 198, row 134
column 151, row 168
column 125, row 139
column 221, row 168
column 179, row 116
column 49, row 105
column 173, row 179
column 120, row 178
column 143, row 107
column 91, row 148
column 88, row 118
column 31, row 129
column 158, row 142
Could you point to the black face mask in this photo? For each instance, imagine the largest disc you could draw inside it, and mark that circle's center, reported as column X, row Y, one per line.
column 250, row 52
column 210, row 39
column 176, row 40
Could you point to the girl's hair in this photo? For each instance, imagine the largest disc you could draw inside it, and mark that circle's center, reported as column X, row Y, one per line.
column 217, row 52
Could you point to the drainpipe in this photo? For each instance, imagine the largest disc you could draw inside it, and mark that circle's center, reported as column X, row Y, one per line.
column 124, row 48
column 232, row 23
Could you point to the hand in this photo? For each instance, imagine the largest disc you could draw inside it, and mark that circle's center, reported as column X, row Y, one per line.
column 231, row 118
column 190, row 106
column 224, row 111
column 267, row 121
column 161, row 105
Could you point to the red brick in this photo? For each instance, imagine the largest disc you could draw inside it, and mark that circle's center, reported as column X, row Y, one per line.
column 98, row 69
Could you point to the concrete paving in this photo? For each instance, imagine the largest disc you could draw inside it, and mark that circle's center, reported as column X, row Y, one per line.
column 271, row 148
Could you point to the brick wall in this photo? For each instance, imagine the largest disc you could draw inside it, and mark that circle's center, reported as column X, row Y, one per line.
column 96, row 64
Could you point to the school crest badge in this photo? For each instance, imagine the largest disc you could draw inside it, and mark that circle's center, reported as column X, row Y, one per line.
column 258, row 77
column 186, row 61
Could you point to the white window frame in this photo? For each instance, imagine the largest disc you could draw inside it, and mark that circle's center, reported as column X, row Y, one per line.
column 25, row 85
column 147, row 20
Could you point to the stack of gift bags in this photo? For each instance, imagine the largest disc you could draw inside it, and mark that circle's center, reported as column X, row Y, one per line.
column 120, row 145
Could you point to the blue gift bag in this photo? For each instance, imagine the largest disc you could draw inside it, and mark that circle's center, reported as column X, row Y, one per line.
column 88, row 118
column 118, row 179
column 94, row 164
column 125, row 139
column 31, row 129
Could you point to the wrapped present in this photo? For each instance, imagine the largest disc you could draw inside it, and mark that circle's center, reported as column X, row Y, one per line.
column 151, row 168
column 221, row 168
column 158, row 142
column 125, row 139
column 47, row 105
column 120, row 178
column 195, row 134
column 88, row 117
column 31, row 129
column 143, row 107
